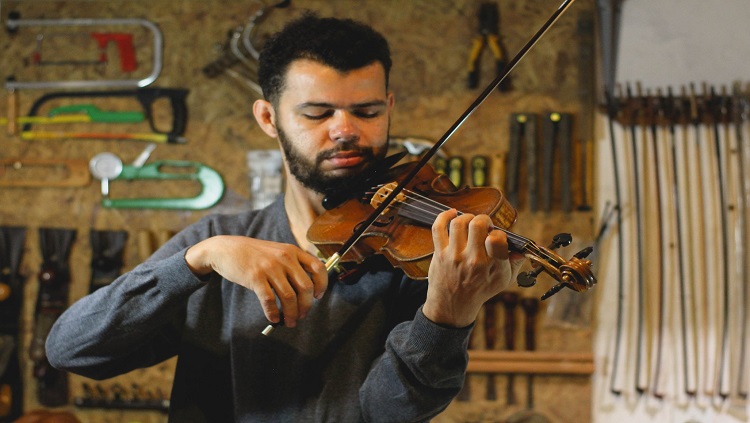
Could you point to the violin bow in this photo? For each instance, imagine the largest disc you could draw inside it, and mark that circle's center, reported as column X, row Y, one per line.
column 362, row 228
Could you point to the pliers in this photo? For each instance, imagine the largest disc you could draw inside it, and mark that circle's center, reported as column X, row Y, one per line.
column 489, row 35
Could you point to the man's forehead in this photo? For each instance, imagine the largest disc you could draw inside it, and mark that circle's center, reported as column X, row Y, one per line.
column 306, row 76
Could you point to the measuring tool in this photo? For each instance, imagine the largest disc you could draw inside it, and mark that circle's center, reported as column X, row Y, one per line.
column 108, row 167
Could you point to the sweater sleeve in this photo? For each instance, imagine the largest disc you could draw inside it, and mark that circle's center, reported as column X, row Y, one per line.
column 134, row 322
column 419, row 374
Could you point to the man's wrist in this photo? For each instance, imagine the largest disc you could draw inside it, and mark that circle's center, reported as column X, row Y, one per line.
column 445, row 318
column 195, row 260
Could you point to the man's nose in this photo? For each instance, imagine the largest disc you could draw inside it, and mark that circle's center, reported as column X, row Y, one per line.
column 343, row 127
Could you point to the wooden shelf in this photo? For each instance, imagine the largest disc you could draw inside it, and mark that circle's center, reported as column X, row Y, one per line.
column 531, row 362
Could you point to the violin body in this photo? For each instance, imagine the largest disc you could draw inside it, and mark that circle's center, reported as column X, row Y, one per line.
column 403, row 232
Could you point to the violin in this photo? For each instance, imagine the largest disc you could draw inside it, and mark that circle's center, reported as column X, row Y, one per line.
column 402, row 231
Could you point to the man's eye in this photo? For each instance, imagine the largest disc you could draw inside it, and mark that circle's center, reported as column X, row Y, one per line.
column 318, row 116
column 367, row 113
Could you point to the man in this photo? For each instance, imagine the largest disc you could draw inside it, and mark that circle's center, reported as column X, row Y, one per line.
column 380, row 347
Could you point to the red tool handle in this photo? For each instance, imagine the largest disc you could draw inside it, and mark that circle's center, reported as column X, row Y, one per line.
column 125, row 47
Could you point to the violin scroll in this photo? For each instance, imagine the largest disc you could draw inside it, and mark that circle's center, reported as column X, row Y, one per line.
column 574, row 273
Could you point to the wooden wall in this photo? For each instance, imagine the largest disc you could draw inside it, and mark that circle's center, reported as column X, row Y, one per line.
column 430, row 40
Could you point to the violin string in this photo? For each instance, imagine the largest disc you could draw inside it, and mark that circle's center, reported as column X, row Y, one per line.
column 436, row 207
column 523, row 243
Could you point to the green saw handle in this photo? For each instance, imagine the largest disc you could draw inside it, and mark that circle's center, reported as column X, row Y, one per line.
column 98, row 115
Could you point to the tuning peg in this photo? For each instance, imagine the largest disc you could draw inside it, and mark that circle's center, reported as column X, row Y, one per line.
column 528, row 279
column 560, row 240
column 584, row 253
column 554, row 290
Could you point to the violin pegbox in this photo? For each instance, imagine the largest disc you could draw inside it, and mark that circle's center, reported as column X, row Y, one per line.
column 574, row 273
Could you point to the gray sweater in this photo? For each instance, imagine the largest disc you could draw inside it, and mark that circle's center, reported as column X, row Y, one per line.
column 365, row 351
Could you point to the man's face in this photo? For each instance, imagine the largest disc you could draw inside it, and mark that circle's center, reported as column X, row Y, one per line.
column 332, row 125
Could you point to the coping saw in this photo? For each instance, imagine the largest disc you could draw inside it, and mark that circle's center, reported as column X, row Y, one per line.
column 108, row 167
column 14, row 22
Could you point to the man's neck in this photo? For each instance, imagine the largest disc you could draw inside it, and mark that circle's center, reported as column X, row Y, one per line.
column 302, row 208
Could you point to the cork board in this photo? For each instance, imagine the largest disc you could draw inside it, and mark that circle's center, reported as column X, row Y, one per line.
column 430, row 41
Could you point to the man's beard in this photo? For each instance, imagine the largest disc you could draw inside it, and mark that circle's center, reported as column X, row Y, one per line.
column 310, row 175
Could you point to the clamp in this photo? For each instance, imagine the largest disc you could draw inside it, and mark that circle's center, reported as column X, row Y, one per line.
column 489, row 16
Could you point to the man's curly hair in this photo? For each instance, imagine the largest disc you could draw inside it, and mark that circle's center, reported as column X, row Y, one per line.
column 342, row 44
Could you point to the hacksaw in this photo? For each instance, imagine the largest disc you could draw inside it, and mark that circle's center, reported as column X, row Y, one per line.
column 81, row 113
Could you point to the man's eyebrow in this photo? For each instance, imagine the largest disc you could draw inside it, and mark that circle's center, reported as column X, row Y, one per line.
column 373, row 103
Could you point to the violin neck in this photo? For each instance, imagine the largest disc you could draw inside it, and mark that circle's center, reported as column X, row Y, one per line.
column 516, row 242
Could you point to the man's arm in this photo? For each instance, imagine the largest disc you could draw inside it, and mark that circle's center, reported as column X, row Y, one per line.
column 134, row 322
column 425, row 360
column 419, row 374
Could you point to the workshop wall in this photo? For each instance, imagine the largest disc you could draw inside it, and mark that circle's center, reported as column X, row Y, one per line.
column 430, row 40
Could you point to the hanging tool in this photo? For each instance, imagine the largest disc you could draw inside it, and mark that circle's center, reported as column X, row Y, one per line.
column 510, row 301
column 15, row 22
column 11, row 124
column 512, row 159
column 138, row 136
column 12, row 239
column 108, row 167
column 74, row 173
column 80, row 113
column 117, row 397
column 530, row 308
column 107, row 248
column 123, row 41
column 232, row 52
column 479, row 173
column 523, row 144
column 556, row 137
column 456, row 170
column 490, row 335
column 146, row 97
column 586, row 92
column 52, row 300
column 489, row 17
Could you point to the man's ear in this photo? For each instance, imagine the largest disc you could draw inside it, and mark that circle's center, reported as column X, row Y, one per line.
column 265, row 115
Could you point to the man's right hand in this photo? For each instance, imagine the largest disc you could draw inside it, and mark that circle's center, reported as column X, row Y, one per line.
column 270, row 269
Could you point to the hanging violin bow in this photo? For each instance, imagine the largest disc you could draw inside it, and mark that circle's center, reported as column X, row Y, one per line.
column 574, row 274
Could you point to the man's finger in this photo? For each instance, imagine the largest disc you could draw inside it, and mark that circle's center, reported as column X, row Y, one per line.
column 440, row 229
column 267, row 300
column 318, row 274
column 288, row 299
column 459, row 232
column 496, row 245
